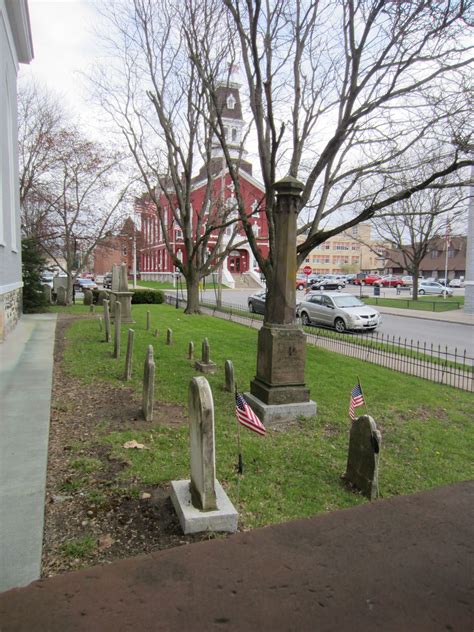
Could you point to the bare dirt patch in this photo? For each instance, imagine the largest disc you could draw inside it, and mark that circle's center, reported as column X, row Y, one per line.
column 92, row 516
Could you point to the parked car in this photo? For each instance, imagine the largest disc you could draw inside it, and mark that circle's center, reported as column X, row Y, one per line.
column 328, row 282
column 108, row 280
column 391, row 280
column 256, row 302
column 341, row 311
column 84, row 284
column 369, row 279
column 47, row 278
column 408, row 280
column 301, row 283
column 456, row 283
column 433, row 287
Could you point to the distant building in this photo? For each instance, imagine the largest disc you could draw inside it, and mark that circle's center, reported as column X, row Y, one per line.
column 155, row 261
column 15, row 47
column 433, row 265
column 351, row 251
column 116, row 249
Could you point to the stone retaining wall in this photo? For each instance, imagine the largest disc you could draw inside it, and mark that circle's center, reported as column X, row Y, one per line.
column 10, row 311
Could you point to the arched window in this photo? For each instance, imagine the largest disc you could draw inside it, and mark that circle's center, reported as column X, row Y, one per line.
column 231, row 102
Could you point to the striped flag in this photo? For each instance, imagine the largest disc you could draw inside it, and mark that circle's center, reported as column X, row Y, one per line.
column 246, row 416
column 357, row 399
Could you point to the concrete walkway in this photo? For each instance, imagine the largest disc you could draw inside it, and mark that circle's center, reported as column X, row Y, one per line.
column 26, row 364
column 398, row 565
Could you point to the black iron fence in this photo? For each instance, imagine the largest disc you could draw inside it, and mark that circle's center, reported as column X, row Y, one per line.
column 431, row 362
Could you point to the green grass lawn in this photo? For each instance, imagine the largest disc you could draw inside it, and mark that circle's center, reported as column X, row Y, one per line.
column 427, row 429
column 425, row 303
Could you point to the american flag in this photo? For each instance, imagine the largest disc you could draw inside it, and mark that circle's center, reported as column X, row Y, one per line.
column 246, row 416
column 357, row 399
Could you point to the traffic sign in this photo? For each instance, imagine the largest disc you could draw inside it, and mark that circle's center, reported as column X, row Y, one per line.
column 307, row 270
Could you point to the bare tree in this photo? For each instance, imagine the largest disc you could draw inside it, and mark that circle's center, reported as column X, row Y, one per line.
column 339, row 92
column 157, row 101
column 418, row 222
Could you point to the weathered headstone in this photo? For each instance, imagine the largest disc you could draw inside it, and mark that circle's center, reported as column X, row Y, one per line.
column 155, row 333
column 92, row 307
column 201, row 503
column 61, row 295
column 117, row 328
column 205, row 365
column 129, row 356
column 363, row 460
column 100, row 323
column 47, row 293
column 148, row 385
column 191, row 350
column 148, row 320
column 88, row 298
column 107, row 321
column 229, row 376
column 169, row 336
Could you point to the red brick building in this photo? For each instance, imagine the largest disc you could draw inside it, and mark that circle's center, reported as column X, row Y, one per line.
column 117, row 249
column 155, row 261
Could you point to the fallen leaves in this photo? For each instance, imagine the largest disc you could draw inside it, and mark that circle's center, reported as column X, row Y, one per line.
column 133, row 444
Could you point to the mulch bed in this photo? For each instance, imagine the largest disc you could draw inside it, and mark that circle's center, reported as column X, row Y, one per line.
column 94, row 517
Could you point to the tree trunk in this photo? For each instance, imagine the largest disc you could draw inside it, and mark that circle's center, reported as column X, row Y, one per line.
column 414, row 294
column 192, row 287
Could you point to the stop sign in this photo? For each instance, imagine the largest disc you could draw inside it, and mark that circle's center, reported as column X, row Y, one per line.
column 307, row 270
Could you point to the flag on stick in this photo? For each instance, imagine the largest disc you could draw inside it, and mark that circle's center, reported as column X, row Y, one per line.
column 357, row 399
column 246, row 416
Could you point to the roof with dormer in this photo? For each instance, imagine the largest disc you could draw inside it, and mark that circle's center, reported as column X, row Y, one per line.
column 223, row 92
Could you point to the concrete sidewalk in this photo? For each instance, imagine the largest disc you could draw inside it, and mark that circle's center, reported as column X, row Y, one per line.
column 398, row 565
column 26, row 365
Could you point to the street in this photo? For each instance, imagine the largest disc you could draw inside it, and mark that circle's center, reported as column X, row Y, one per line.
column 421, row 330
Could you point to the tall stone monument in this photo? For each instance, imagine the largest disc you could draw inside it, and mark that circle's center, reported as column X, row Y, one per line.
column 201, row 503
column 278, row 392
column 119, row 292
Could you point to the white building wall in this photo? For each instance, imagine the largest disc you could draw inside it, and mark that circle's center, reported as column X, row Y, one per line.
column 15, row 46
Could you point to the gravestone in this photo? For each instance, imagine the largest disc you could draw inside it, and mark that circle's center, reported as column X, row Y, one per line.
column 155, row 333
column 148, row 385
column 47, row 293
column 169, row 337
column 148, row 321
column 201, row 503
column 229, row 376
column 191, row 351
column 129, row 356
column 61, row 295
column 100, row 323
column 363, row 460
column 107, row 321
column 88, row 298
column 205, row 365
column 117, row 328
column 92, row 308
column 119, row 292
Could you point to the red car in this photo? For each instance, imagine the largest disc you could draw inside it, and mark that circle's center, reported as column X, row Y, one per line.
column 301, row 283
column 369, row 279
column 391, row 281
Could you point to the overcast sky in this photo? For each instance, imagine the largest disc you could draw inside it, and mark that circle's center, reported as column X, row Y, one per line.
column 64, row 47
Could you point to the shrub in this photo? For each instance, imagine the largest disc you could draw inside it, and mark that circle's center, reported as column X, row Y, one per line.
column 146, row 295
column 33, row 263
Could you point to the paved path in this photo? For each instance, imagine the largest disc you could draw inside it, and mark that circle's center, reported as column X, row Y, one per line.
column 26, row 363
column 399, row 565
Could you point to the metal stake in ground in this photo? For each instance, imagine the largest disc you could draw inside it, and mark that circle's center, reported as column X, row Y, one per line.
column 240, row 462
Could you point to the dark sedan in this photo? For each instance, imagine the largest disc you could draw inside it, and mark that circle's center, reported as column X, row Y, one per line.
column 256, row 302
column 327, row 284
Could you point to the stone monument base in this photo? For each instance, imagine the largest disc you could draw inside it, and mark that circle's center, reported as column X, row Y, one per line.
column 193, row 520
column 272, row 415
column 205, row 367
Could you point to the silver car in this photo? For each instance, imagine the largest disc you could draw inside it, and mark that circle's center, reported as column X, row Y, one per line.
column 432, row 287
column 341, row 311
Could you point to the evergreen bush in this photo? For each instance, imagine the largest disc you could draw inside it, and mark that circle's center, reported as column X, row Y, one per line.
column 33, row 264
